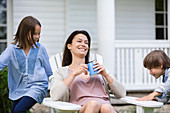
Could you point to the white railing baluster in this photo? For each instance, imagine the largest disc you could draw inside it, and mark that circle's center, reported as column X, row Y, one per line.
column 118, row 65
column 145, row 70
column 131, row 67
column 129, row 63
column 123, row 66
column 127, row 67
column 138, row 66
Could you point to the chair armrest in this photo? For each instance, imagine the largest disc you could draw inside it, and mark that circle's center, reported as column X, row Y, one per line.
column 132, row 100
column 61, row 106
column 50, row 82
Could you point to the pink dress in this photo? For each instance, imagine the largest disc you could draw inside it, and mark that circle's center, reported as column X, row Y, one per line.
column 82, row 90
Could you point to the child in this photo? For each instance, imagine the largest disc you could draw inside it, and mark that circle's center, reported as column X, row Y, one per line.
column 28, row 66
column 158, row 64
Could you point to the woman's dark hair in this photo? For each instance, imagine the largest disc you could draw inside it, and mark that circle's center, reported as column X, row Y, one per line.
column 26, row 26
column 67, row 56
column 155, row 59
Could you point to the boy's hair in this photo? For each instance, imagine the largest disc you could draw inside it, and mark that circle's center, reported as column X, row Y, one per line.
column 26, row 26
column 155, row 59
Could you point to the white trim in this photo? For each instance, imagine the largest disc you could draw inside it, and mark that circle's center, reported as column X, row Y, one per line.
column 142, row 43
column 9, row 21
column 168, row 19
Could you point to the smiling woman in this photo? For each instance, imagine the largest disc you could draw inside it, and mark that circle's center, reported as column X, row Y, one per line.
column 72, row 82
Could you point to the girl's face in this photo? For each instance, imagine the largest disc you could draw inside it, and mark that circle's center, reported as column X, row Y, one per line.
column 156, row 72
column 79, row 45
column 36, row 35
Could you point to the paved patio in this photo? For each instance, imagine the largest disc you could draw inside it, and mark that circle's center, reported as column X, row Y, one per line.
column 40, row 108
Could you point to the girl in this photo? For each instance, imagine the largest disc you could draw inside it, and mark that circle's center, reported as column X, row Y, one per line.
column 28, row 66
column 73, row 84
column 158, row 63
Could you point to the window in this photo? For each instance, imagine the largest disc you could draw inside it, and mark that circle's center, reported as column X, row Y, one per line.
column 3, row 25
column 161, row 17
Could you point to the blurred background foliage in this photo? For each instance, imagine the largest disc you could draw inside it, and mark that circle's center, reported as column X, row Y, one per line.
column 5, row 102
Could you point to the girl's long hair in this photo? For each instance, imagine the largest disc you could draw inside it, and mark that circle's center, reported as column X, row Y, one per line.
column 155, row 59
column 25, row 28
column 67, row 56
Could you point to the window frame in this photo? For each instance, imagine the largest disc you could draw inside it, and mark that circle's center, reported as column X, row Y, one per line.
column 165, row 21
column 9, row 23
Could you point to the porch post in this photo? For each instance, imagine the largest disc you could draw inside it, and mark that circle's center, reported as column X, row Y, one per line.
column 9, row 22
column 106, row 32
column 168, row 19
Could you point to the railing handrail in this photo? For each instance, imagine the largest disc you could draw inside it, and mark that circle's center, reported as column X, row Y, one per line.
column 142, row 43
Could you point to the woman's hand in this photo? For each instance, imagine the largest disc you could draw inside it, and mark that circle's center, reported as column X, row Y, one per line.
column 100, row 69
column 83, row 68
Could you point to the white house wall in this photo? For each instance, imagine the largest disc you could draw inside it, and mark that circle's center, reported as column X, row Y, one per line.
column 58, row 18
column 135, row 20
column 51, row 14
column 82, row 14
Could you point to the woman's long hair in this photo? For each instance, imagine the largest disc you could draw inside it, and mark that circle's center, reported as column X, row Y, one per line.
column 26, row 26
column 67, row 56
column 155, row 59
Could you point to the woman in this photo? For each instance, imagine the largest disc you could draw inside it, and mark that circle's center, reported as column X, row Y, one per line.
column 72, row 82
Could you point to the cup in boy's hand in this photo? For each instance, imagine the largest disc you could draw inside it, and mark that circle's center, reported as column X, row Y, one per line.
column 91, row 69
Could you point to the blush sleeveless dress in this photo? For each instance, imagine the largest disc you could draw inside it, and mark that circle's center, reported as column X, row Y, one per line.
column 84, row 90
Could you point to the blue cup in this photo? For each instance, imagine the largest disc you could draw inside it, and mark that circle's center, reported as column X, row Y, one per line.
column 91, row 69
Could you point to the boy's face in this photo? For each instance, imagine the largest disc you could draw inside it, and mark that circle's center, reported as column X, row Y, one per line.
column 156, row 72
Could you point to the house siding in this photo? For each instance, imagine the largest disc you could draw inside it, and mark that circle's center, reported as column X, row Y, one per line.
column 135, row 20
column 51, row 14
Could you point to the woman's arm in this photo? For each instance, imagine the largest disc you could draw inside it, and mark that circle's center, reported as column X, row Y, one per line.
column 58, row 88
column 62, row 80
column 116, row 88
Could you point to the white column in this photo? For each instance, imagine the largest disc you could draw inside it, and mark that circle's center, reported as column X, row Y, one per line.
column 106, row 32
column 9, row 22
column 168, row 19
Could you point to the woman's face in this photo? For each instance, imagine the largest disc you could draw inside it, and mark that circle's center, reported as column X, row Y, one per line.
column 79, row 45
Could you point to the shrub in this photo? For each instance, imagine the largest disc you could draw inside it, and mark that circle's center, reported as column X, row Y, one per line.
column 5, row 102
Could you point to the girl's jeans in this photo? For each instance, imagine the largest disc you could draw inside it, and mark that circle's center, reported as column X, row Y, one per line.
column 22, row 105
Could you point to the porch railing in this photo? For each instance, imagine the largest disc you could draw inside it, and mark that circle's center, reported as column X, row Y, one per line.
column 129, row 63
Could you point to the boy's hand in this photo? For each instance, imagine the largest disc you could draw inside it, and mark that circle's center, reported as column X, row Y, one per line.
column 151, row 96
column 146, row 98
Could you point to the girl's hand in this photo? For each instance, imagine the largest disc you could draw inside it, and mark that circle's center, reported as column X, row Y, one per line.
column 83, row 68
column 100, row 69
